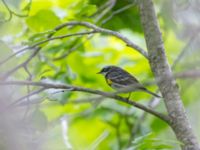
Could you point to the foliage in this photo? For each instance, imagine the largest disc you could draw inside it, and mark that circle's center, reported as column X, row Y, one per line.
column 149, row 142
column 92, row 124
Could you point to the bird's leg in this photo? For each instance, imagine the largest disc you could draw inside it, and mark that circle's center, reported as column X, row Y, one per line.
column 129, row 95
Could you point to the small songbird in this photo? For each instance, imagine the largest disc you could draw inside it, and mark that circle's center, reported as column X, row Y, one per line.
column 122, row 81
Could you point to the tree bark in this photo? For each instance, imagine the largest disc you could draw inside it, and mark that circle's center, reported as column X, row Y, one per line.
column 163, row 74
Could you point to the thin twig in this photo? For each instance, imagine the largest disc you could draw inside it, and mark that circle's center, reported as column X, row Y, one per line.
column 117, row 12
column 63, row 36
column 86, row 100
column 87, row 90
column 13, row 55
column 103, row 13
column 28, row 95
column 45, row 41
column 101, row 8
column 28, row 91
column 107, row 31
column 105, row 9
column 11, row 71
column 95, row 28
column 72, row 49
column 184, row 50
column 11, row 12
column 188, row 74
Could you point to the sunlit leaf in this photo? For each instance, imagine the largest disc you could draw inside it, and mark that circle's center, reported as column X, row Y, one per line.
column 42, row 21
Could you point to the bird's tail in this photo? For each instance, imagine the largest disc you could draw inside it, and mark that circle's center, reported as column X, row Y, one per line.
column 154, row 94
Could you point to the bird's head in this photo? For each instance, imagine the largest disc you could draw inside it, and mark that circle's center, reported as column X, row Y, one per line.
column 108, row 69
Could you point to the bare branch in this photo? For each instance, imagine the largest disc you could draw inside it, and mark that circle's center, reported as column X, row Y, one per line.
column 28, row 90
column 103, row 10
column 87, row 100
column 45, row 41
column 95, row 28
column 87, row 90
column 118, row 11
column 26, row 96
column 63, row 36
column 103, row 7
column 13, row 55
column 72, row 49
column 184, row 50
column 11, row 12
column 111, row 4
column 107, row 31
column 188, row 74
column 8, row 73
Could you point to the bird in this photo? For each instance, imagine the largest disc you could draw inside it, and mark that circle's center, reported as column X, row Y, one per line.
column 122, row 81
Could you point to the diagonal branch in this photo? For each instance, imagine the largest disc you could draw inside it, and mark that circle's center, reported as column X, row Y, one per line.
column 11, row 12
column 87, row 90
column 11, row 71
column 111, row 4
column 95, row 28
column 45, row 41
column 28, row 95
column 107, row 31
column 118, row 11
column 188, row 74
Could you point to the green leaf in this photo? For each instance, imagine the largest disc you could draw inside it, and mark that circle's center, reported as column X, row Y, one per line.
column 149, row 142
column 83, row 9
column 43, row 20
column 158, row 125
column 87, row 10
column 65, row 97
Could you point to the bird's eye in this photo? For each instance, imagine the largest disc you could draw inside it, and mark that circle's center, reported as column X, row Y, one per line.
column 105, row 69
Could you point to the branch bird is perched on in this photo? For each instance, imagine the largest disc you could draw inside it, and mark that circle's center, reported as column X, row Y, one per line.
column 122, row 81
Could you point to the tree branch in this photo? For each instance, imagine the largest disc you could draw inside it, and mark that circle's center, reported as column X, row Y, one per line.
column 118, row 11
column 45, row 41
column 111, row 4
column 28, row 95
column 155, row 101
column 107, row 31
column 188, row 74
column 166, row 82
column 11, row 71
column 11, row 12
column 87, row 90
column 95, row 28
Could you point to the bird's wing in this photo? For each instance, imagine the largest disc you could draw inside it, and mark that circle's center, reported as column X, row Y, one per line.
column 123, row 78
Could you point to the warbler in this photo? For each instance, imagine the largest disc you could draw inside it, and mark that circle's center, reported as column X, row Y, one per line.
column 122, row 81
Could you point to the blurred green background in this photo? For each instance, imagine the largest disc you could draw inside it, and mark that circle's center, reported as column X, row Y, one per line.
column 74, row 120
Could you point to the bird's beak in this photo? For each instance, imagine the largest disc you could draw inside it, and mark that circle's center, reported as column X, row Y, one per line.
column 99, row 72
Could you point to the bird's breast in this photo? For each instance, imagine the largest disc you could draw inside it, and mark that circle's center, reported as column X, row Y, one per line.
column 109, row 82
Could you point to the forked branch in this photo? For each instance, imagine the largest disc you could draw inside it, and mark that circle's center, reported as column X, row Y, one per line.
column 87, row 90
